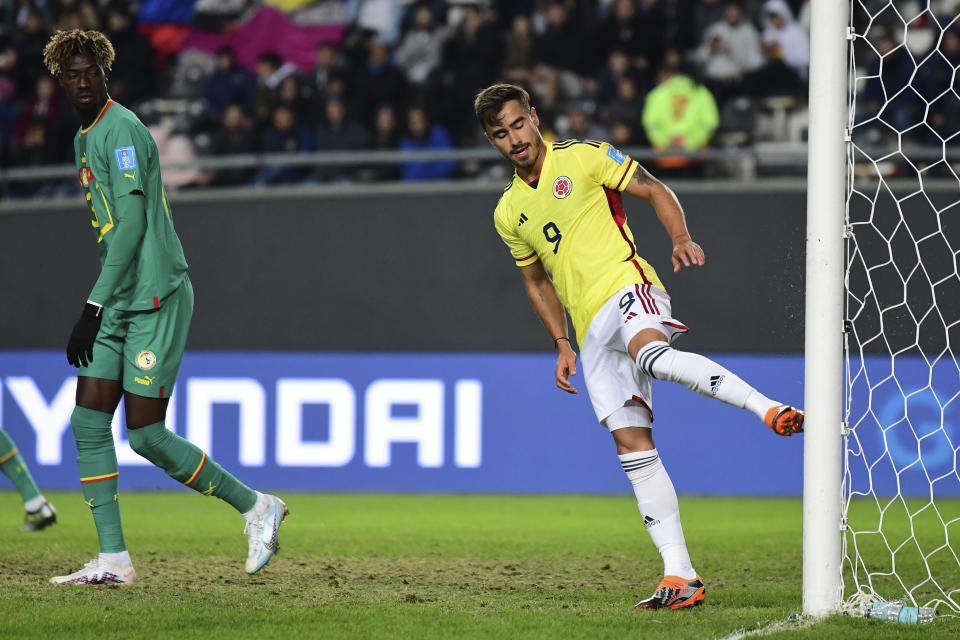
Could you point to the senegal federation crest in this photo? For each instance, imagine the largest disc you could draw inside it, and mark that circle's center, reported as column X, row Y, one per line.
column 562, row 187
column 146, row 360
column 86, row 177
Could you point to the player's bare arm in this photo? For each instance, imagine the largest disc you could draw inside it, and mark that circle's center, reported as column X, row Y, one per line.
column 547, row 304
column 686, row 252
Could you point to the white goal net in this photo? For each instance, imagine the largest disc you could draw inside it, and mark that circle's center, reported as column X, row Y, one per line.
column 901, row 486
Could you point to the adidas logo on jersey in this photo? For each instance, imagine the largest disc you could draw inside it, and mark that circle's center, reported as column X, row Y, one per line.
column 523, row 218
column 650, row 522
column 715, row 382
column 630, row 316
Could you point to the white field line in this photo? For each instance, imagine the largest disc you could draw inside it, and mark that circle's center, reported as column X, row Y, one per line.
column 803, row 622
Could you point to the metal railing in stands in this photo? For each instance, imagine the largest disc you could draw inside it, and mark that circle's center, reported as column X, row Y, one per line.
column 740, row 166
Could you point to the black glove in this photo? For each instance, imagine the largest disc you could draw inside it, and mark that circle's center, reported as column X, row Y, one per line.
column 80, row 347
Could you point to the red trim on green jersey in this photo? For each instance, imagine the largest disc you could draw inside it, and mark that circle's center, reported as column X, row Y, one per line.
column 103, row 111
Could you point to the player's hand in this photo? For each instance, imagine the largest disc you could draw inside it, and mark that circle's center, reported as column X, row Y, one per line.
column 687, row 253
column 566, row 366
column 84, row 334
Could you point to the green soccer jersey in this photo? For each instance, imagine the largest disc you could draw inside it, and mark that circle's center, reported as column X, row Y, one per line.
column 141, row 256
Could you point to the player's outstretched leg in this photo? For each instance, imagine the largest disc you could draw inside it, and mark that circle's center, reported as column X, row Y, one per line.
column 97, row 463
column 185, row 462
column 661, row 361
column 40, row 513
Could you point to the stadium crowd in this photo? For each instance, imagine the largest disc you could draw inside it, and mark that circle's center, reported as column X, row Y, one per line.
column 214, row 77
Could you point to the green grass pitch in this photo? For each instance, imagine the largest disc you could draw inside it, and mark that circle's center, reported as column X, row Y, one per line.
column 417, row 567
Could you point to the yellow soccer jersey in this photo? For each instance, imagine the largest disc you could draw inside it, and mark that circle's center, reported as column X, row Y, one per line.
column 573, row 220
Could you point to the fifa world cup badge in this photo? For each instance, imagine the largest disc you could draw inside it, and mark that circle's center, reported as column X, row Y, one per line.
column 146, row 360
column 562, row 187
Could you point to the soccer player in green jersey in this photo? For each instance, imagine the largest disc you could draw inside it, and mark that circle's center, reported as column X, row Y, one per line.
column 40, row 513
column 129, row 340
column 563, row 219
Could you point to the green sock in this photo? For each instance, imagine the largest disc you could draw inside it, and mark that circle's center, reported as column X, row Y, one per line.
column 185, row 462
column 97, row 463
column 13, row 466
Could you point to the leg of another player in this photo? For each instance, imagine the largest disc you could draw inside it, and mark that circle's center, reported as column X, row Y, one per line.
column 97, row 399
column 40, row 513
column 655, row 357
column 657, row 500
column 186, row 463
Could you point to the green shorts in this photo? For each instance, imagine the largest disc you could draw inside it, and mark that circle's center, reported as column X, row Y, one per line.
column 143, row 349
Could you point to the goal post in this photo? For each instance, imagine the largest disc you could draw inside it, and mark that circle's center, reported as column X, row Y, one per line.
column 881, row 496
column 823, row 340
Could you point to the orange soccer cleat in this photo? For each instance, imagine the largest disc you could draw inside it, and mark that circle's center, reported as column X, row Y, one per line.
column 674, row 592
column 785, row 420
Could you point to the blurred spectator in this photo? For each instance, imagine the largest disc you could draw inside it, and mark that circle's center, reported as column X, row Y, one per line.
column 580, row 127
column 271, row 71
column 328, row 77
column 228, row 84
column 884, row 94
column 518, row 58
column 28, row 42
column 290, row 94
column 628, row 106
column 679, row 113
column 619, row 65
column 699, row 14
column 59, row 124
column 623, row 134
column 177, row 149
column 472, row 59
column 421, row 134
column 132, row 75
column 284, row 135
column 560, row 46
column 730, row 49
column 385, row 137
column 640, row 35
column 377, row 81
column 937, row 84
column 338, row 133
column 786, row 49
column 74, row 14
column 420, row 50
column 8, row 119
column 34, row 146
column 380, row 17
column 233, row 137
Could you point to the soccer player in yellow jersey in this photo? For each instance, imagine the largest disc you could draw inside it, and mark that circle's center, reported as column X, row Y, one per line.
column 562, row 218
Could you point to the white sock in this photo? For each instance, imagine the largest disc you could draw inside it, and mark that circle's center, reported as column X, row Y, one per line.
column 657, row 500
column 659, row 360
column 34, row 504
column 120, row 559
column 258, row 507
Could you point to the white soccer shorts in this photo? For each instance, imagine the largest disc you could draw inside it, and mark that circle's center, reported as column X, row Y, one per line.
column 619, row 391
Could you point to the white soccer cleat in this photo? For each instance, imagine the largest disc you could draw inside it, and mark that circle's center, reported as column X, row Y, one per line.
column 262, row 533
column 98, row 571
column 42, row 518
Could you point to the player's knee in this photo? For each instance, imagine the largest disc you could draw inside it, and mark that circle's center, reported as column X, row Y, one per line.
column 147, row 441
column 650, row 354
column 90, row 427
